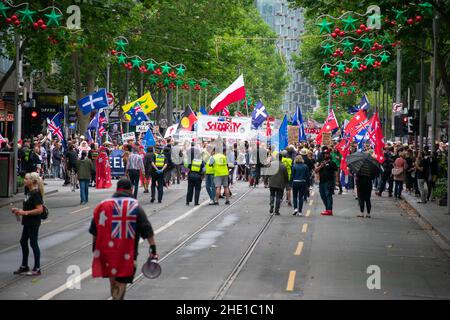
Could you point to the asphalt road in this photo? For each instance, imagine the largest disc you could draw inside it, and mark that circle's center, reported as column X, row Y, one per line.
column 240, row 251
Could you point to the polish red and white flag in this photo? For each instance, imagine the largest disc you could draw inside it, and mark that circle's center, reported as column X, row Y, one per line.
column 233, row 93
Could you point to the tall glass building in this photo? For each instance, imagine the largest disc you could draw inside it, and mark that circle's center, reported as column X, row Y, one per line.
column 289, row 24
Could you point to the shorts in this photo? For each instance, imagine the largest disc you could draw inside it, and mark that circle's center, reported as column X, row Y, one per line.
column 221, row 181
column 127, row 279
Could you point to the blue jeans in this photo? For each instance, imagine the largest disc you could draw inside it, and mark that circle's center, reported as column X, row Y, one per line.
column 84, row 190
column 325, row 189
column 398, row 188
column 299, row 190
column 210, row 187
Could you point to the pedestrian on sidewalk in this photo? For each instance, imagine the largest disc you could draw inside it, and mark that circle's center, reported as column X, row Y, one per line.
column 328, row 174
column 56, row 161
column 422, row 171
column 84, row 169
column 134, row 169
column 399, row 173
column 300, row 185
column 277, row 182
column 31, row 221
column 115, row 254
column 364, row 187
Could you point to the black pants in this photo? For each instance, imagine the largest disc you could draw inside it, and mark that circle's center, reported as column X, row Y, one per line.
column 134, row 176
column 194, row 182
column 364, row 194
column 386, row 178
column 30, row 233
column 158, row 178
column 276, row 195
column 299, row 191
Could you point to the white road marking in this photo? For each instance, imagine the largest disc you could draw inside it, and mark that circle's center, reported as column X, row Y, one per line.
column 82, row 209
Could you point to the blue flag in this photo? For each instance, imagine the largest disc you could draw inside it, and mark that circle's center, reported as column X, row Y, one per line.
column 137, row 115
column 203, row 110
column 301, row 129
column 97, row 100
column 283, row 134
column 149, row 139
column 259, row 115
column 295, row 118
column 364, row 104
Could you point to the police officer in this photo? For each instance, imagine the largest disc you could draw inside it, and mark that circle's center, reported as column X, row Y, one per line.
column 159, row 164
column 196, row 167
column 220, row 167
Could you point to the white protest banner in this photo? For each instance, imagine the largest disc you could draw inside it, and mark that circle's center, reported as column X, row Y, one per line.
column 170, row 132
column 230, row 128
column 128, row 136
column 141, row 128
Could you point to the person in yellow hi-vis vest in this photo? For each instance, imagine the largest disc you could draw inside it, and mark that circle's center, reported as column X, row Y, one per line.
column 159, row 164
column 196, row 167
column 220, row 168
column 288, row 164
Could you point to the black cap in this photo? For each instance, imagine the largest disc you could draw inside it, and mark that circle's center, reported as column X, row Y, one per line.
column 124, row 184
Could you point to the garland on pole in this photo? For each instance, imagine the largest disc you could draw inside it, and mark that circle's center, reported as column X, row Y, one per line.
column 24, row 17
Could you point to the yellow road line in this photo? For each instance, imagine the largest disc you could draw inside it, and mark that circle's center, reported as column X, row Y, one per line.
column 308, row 213
column 291, row 281
column 82, row 209
column 305, row 228
column 311, row 202
column 299, row 249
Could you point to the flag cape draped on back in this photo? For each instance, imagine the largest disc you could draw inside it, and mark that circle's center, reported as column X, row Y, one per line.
column 95, row 101
column 329, row 125
column 114, row 253
column 103, row 170
column 235, row 92
column 146, row 103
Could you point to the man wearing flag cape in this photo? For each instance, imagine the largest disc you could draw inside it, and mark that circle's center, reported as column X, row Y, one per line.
column 117, row 226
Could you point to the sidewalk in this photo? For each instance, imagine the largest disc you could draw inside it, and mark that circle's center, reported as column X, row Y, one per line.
column 433, row 214
column 51, row 187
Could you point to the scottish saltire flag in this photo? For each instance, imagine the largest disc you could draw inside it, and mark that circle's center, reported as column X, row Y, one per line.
column 259, row 115
column 301, row 129
column 124, row 218
column 149, row 139
column 203, row 110
column 95, row 101
column 283, row 134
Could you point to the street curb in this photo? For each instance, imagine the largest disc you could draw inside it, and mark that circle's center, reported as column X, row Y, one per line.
column 20, row 200
column 428, row 222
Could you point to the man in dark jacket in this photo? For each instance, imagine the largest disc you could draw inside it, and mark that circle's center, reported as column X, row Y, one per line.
column 328, row 174
column 386, row 176
column 196, row 167
column 277, row 184
column 148, row 158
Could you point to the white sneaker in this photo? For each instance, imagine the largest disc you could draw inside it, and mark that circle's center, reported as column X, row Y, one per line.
column 295, row 212
column 300, row 214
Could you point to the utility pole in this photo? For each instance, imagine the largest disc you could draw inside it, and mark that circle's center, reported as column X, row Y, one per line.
column 422, row 95
column 398, row 95
column 433, row 83
column 17, row 110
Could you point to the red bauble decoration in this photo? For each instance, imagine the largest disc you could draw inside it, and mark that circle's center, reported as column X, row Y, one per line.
column 359, row 31
column 418, row 18
column 35, row 26
column 14, row 17
column 8, row 20
column 44, row 26
column 393, row 22
column 40, row 22
column 334, row 35
column 362, row 26
column 17, row 23
column 342, row 33
column 410, row 21
column 113, row 52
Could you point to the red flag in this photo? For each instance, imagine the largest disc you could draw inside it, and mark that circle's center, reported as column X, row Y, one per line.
column 352, row 127
column 226, row 112
column 235, row 92
column 330, row 124
column 238, row 114
column 115, row 220
column 268, row 128
column 376, row 137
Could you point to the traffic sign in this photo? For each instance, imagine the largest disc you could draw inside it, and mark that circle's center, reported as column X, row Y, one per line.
column 397, row 107
column 110, row 99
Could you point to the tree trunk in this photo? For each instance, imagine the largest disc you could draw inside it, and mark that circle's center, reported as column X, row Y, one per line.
column 12, row 68
column 77, row 83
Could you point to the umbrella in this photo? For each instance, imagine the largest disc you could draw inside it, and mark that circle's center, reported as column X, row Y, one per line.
column 363, row 164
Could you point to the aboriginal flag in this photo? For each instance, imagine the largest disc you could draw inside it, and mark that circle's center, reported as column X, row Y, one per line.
column 188, row 118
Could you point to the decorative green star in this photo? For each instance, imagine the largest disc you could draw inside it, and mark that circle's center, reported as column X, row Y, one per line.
column 399, row 14
column 153, row 79
column 327, row 48
column 165, row 68
column 180, row 70
column 348, row 45
column 151, row 65
column 426, row 7
column 325, row 25
column 355, row 64
column 384, row 57
column 166, row 81
column 27, row 14
column 121, row 45
column 122, row 58
column 216, row 90
column 340, row 66
column 326, row 70
column 345, row 90
column 204, row 84
column 192, row 83
column 338, row 80
column 3, row 9
column 349, row 22
column 53, row 18
column 367, row 42
column 136, row 62
column 179, row 82
column 337, row 91
column 386, row 38
column 353, row 89
column 370, row 61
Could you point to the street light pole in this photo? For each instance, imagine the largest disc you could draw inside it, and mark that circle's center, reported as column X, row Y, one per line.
column 422, row 95
column 17, row 111
column 398, row 95
column 433, row 85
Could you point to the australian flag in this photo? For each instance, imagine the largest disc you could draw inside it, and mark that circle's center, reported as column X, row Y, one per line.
column 137, row 115
column 259, row 115
column 97, row 100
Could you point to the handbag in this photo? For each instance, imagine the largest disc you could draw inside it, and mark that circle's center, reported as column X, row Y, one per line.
column 44, row 214
column 397, row 171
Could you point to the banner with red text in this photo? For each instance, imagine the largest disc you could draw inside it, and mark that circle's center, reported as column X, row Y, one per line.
column 225, row 127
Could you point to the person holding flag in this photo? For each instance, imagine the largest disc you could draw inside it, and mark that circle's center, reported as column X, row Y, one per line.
column 116, row 246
